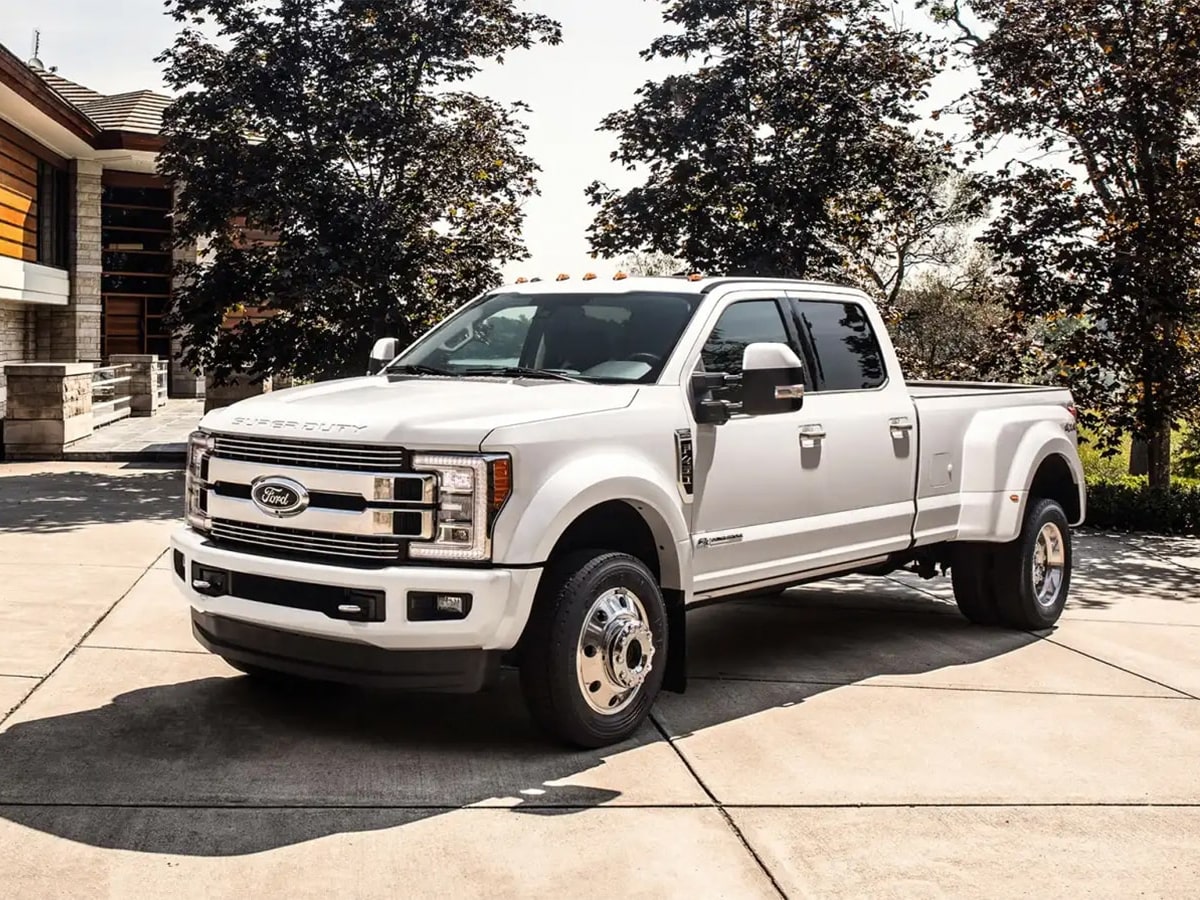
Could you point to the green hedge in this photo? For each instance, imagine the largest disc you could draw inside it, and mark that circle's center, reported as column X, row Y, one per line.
column 1128, row 504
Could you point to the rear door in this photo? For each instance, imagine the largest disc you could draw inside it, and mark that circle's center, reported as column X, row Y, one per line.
column 856, row 433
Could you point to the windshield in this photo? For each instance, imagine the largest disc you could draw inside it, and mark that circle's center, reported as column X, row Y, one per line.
column 613, row 338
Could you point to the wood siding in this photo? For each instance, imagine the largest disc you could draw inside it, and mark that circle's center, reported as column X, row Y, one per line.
column 18, row 196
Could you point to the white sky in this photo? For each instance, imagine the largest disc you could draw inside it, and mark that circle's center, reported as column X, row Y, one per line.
column 110, row 45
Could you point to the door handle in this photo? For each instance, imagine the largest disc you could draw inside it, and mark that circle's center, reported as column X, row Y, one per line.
column 811, row 435
column 900, row 427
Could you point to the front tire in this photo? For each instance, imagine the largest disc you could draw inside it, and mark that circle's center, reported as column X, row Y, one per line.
column 594, row 653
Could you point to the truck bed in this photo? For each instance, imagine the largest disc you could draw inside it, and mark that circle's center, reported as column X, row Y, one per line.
column 933, row 390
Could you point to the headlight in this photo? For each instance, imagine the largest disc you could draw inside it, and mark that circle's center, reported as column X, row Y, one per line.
column 200, row 446
column 471, row 492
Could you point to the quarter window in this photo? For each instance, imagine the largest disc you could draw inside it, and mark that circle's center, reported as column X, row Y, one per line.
column 845, row 352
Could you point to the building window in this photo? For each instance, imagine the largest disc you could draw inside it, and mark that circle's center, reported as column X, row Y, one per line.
column 53, row 220
column 136, row 276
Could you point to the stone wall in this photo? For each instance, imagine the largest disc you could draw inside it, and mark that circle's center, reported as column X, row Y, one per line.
column 15, row 342
column 239, row 387
column 49, row 408
column 145, row 395
column 73, row 332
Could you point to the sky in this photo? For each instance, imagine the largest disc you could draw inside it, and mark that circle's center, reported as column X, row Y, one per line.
column 110, row 45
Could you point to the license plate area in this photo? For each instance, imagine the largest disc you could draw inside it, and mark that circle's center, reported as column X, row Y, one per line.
column 343, row 603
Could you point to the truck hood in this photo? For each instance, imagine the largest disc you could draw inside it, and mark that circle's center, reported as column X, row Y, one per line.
column 422, row 413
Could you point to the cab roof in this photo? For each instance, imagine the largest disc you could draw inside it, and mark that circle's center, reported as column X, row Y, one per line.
column 667, row 284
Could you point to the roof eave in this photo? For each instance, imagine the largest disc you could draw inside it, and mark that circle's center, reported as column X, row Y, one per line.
column 129, row 140
column 27, row 85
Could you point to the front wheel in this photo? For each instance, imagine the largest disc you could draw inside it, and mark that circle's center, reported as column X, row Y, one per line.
column 593, row 657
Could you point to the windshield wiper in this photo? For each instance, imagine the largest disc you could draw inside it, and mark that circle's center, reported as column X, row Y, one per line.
column 525, row 372
column 420, row 370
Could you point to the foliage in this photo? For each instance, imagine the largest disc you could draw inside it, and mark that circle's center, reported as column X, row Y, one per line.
column 1103, row 227
column 651, row 265
column 789, row 114
column 944, row 325
column 916, row 221
column 1130, row 504
column 338, row 172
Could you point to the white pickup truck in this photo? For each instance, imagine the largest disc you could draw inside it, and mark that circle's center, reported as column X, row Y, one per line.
column 551, row 476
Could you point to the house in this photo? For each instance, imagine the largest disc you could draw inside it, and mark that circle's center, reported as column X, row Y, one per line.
column 86, row 256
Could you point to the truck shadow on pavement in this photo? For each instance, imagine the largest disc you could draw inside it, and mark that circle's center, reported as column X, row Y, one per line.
column 223, row 766
column 53, row 502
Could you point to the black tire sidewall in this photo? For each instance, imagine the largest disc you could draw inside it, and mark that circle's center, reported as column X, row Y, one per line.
column 1022, row 607
column 577, row 584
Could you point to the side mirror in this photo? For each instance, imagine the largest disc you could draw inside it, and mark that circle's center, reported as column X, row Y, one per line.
column 382, row 353
column 772, row 380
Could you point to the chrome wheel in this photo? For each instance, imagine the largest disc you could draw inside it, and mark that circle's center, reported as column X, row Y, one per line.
column 1049, row 564
column 616, row 651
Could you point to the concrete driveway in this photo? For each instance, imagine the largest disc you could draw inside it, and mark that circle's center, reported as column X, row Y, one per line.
column 853, row 740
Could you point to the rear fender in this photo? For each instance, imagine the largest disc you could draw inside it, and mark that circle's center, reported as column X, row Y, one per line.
column 1001, row 458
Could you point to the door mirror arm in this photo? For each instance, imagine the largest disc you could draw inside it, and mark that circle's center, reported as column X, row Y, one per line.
column 708, row 409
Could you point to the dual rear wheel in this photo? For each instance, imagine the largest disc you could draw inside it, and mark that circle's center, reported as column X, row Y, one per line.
column 1023, row 584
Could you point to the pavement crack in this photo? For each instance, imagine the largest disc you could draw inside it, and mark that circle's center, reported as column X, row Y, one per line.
column 83, row 637
column 733, row 826
column 762, row 679
column 1113, row 665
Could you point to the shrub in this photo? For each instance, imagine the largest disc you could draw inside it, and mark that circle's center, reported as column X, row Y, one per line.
column 1127, row 503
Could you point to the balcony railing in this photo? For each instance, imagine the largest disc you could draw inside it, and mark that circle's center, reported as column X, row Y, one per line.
column 110, row 394
column 162, row 379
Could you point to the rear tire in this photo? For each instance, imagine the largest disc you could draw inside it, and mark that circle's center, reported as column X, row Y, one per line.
column 971, row 572
column 1034, row 572
column 595, row 650
column 1022, row 584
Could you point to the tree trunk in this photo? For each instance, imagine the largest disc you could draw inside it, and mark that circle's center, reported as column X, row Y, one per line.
column 1139, row 457
column 1159, row 456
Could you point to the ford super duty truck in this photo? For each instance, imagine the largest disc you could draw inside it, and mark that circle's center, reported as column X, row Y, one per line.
column 552, row 475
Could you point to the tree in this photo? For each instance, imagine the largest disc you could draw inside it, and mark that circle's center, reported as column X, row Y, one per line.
column 945, row 323
column 1103, row 227
column 916, row 220
column 650, row 265
column 342, row 129
column 792, row 106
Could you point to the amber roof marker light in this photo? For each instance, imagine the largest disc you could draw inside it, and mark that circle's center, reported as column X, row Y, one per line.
column 620, row 276
column 563, row 277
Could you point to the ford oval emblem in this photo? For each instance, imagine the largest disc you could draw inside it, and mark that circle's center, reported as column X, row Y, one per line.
column 279, row 496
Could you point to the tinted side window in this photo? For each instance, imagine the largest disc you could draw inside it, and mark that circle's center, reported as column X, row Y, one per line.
column 846, row 354
column 742, row 324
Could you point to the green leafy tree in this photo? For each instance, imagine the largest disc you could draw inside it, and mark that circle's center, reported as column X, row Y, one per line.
column 945, row 323
column 651, row 265
column 789, row 107
column 341, row 130
column 1102, row 226
column 915, row 222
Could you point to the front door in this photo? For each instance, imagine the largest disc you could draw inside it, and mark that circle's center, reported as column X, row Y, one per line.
column 786, row 495
column 747, row 471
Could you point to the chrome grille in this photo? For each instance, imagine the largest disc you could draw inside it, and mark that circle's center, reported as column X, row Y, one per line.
column 314, row 544
column 311, row 454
